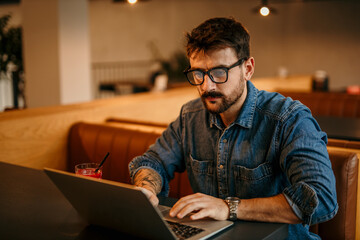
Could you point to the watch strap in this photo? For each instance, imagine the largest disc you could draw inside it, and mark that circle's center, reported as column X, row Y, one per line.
column 233, row 203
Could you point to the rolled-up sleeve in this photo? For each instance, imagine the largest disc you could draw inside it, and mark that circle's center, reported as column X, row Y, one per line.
column 304, row 158
column 303, row 200
column 165, row 156
column 144, row 162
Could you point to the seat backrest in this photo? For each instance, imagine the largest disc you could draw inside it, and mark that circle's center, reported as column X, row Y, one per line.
column 135, row 122
column 343, row 225
column 88, row 142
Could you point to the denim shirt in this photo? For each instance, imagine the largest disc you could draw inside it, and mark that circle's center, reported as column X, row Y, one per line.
column 274, row 146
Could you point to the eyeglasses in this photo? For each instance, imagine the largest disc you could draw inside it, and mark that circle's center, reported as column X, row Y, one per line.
column 217, row 74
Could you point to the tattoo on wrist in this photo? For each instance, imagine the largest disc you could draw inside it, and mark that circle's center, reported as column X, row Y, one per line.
column 148, row 178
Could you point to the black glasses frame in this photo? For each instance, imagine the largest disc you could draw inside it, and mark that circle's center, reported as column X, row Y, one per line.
column 226, row 69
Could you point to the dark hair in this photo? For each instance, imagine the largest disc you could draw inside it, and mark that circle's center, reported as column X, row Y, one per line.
column 218, row 33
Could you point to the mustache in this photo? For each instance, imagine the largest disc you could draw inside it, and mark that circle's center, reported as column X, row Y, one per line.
column 211, row 94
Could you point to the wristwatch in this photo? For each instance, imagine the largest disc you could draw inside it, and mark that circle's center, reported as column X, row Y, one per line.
column 233, row 203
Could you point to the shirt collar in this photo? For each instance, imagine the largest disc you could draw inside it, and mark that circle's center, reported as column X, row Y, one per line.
column 246, row 116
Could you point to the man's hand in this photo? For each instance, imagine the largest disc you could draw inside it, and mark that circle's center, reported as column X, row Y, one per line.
column 149, row 181
column 150, row 195
column 203, row 205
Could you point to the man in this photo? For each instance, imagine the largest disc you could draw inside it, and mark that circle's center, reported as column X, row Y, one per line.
column 264, row 151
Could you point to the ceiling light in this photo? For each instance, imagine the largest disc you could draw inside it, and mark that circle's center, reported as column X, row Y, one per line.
column 264, row 9
column 129, row 1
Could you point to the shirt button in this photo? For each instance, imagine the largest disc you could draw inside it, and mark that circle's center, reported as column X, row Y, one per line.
column 225, row 141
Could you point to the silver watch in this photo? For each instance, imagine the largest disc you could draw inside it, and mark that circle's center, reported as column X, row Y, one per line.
column 233, row 203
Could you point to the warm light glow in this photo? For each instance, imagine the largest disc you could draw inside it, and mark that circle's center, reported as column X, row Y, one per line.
column 132, row 1
column 264, row 11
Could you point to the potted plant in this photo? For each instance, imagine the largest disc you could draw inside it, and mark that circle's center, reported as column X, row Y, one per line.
column 175, row 66
column 11, row 61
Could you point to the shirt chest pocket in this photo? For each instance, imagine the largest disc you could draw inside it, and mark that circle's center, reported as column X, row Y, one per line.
column 253, row 182
column 202, row 175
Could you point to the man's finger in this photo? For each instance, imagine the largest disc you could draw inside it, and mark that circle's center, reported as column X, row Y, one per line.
column 205, row 212
column 181, row 204
column 150, row 195
column 189, row 208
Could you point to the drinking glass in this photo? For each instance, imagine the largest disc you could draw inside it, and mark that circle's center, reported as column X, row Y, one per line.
column 88, row 169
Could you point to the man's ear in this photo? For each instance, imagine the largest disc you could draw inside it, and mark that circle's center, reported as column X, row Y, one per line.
column 249, row 68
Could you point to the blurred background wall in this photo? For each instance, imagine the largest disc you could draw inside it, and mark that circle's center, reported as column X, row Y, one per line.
column 303, row 37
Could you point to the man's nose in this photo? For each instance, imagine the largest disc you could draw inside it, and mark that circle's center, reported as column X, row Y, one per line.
column 208, row 84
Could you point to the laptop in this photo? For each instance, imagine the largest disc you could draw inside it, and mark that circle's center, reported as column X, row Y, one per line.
column 125, row 208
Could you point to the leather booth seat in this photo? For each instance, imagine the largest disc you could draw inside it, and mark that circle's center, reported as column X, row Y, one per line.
column 343, row 225
column 90, row 143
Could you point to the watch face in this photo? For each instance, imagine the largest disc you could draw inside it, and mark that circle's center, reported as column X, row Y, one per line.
column 232, row 199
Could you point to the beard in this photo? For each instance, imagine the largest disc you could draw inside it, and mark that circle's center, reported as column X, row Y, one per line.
column 225, row 102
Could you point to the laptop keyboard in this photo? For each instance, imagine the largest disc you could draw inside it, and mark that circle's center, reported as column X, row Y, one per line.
column 184, row 231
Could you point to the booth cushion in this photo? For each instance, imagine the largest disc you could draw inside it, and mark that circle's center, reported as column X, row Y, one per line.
column 90, row 142
column 343, row 225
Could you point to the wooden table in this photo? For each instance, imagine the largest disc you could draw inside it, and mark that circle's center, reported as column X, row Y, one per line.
column 31, row 207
